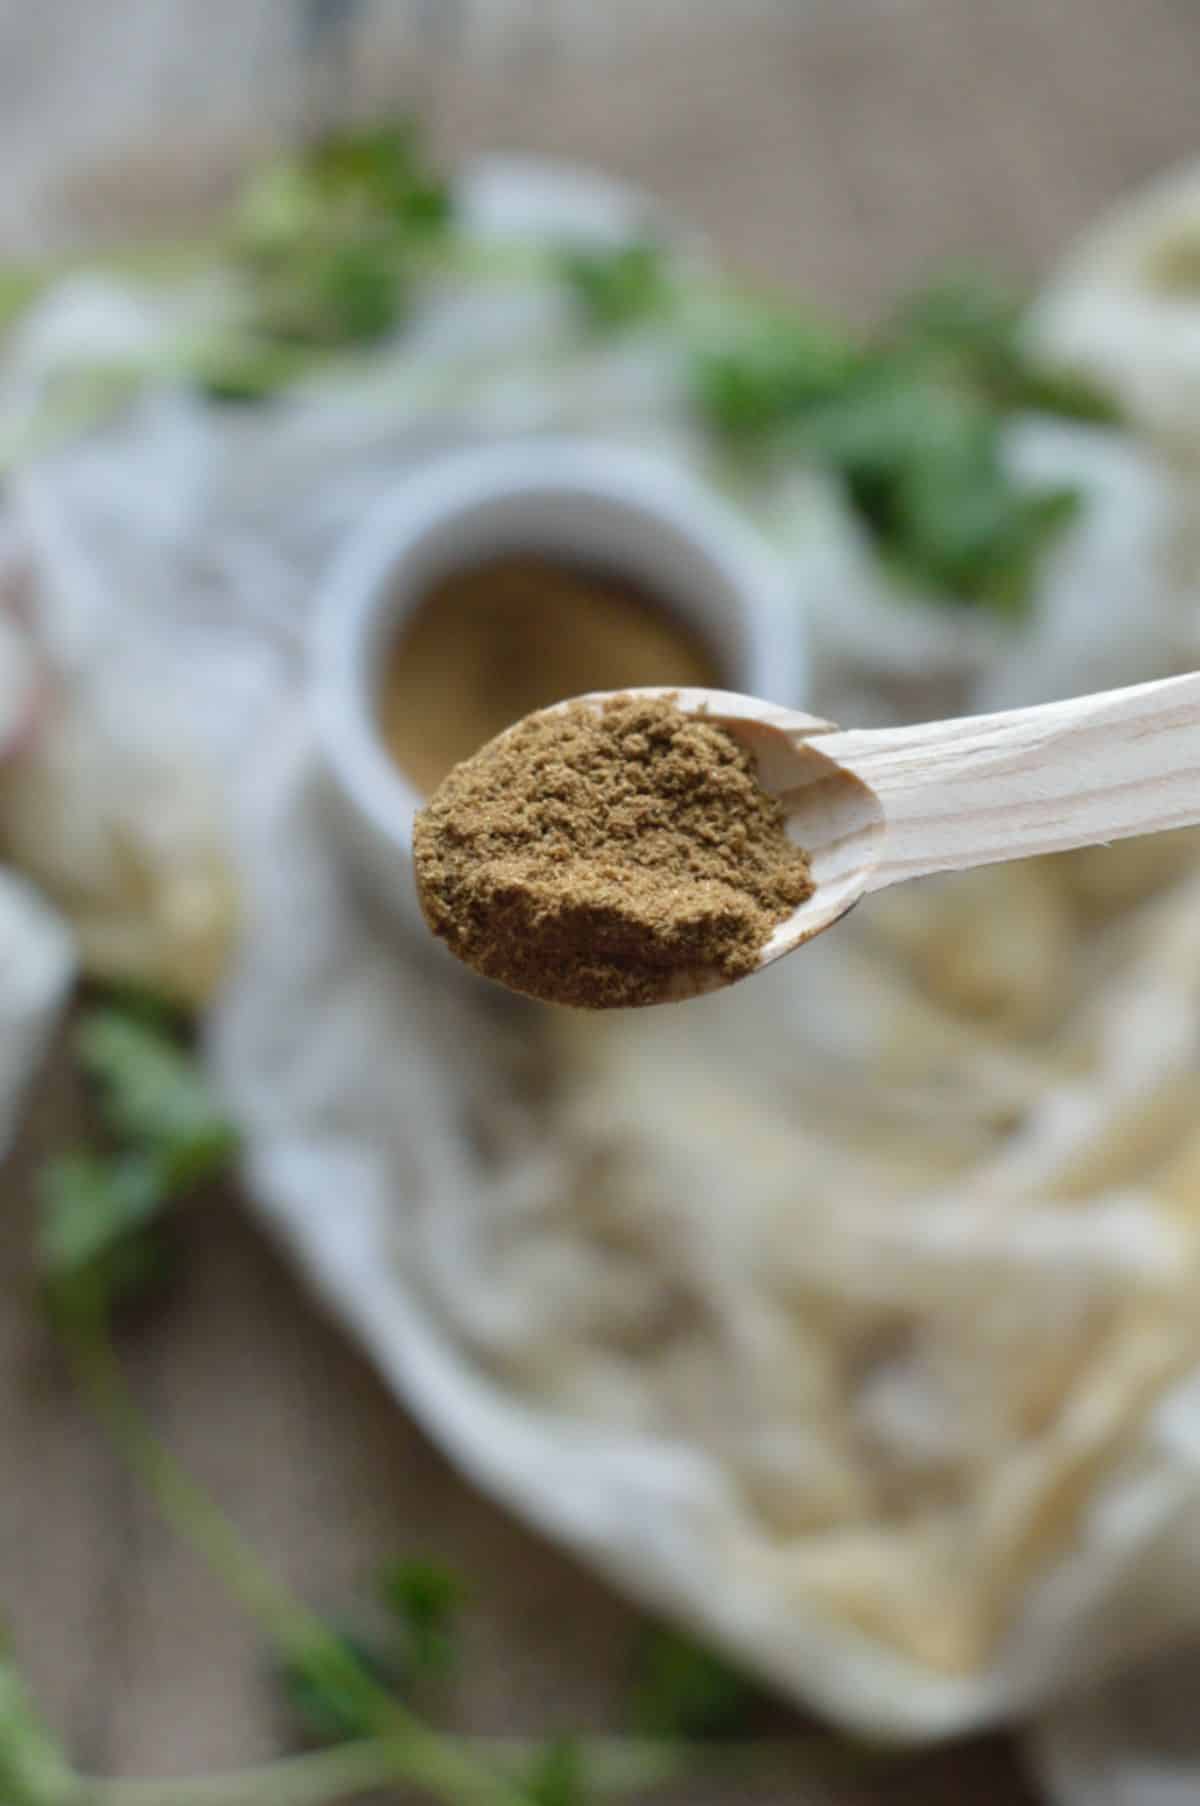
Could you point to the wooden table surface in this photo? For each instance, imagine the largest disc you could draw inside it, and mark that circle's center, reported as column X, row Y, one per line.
column 843, row 145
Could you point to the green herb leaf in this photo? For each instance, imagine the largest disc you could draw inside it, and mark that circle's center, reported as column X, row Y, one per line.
column 966, row 322
column 323, row 1685
column 912, row 425
column 33, row 1770
column 768, row 370
column 379, row 171
column 426, row 1598
column 142, row 1003
column 1068, row 394
column 682, row 1690
column 325, row 237
column 92, row 1203
column 96, row 1244
column 558, row 1776
column 969, row 530
column 343, row 183
column 613, row 289
column 152, row 1092
column 331, row 295
column 968, row 332
column 98, row 1240
column 244, row 367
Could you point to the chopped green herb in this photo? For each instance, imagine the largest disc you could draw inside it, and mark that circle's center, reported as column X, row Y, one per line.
column 152, row 1092
column 924, row 470
column 963, row 326
column 912, row 426
column 425, row 1597
column 1070, row 395
column 323, row 1686
column 558, row 1776
column 342, row 294
column 619, row 288
column 342, row 183
column 95, row 1209
column 142, row 1003
column 683, row 1690
column 768, row 369
column 968, row 333
column 100, row 1212
column 325, row 237
column 244, row 367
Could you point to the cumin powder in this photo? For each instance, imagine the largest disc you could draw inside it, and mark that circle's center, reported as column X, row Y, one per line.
column 606, row 858
column 491, row 643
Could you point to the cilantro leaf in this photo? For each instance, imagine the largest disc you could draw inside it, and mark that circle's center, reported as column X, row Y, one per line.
column 342, row 184
column 558, row 1776
column 244, row 367
column 325, row 236
column 323, row 298
column 613, row 289
column 923, row 467
column 767, row 371
column 911, row 425
column 683, row 1690
column 425, row 1597
column 331, row 295
column 968, row 332
column 142, row 1003
column 1068, row 394
column 330, row 1686
column 98, row 1213
column 966, row 323
column 98, row 1240
column 378, row 171
column 152, row 1092
column 972, row 531
column 91, row 1203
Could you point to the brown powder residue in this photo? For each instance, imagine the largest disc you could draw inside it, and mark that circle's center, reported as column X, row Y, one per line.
column 603, row 858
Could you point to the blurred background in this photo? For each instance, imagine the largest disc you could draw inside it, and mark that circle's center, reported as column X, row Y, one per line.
column 844, row 152
column 843, row 149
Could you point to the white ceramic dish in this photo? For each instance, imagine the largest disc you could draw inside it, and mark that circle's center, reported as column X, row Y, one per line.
column 592, row 502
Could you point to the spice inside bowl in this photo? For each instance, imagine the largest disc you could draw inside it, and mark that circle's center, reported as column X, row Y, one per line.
column 504, row 578
column 500, row 639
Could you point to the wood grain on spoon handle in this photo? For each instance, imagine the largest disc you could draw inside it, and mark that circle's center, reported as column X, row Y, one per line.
column 1039, row 780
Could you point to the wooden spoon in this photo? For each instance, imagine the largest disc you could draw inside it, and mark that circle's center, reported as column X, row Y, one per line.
column 877, row 806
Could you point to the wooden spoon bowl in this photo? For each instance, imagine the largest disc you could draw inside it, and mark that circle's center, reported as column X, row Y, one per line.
column 880, row 806
column 875, row 807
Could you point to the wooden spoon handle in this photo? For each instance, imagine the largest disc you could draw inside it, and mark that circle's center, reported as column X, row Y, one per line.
column 1040, row 780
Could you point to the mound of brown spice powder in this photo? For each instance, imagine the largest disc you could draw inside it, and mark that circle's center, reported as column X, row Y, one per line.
column 607, row 858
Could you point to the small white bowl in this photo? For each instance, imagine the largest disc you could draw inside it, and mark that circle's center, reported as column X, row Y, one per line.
column 593, row 503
